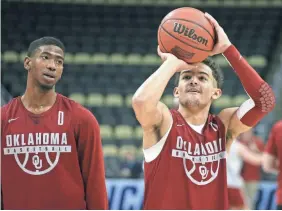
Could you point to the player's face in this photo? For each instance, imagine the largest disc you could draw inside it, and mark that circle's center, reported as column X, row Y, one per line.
column 197, row 87
column 46, row 66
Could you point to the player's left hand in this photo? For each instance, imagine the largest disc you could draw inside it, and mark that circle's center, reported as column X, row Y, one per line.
column 223, row 41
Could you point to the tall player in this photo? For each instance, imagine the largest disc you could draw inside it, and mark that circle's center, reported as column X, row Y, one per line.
column 185, row 149
column 51, row 146
column 272, row 158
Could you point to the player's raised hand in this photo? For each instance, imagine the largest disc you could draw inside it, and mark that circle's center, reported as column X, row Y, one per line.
column 178, row 63
column 223, row 41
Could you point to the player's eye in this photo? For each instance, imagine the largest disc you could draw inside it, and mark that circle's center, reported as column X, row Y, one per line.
column 60, row 62
column 44, row 57
column 187, row 77
column 202, row 78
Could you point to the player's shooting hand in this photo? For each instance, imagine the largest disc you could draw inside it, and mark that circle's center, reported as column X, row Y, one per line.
column 178, row 63
column 222, row 42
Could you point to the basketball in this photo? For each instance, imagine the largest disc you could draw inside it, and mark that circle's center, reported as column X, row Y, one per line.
column 186, row 33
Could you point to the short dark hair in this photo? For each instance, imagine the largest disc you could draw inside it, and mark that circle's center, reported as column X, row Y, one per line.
column 34, row 45
column 216, row 72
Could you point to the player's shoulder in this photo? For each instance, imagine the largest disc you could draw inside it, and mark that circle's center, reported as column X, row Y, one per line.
column 7, row 108
column 216, row 119
column 78, row 111
column 12, row 103
column 278, row 125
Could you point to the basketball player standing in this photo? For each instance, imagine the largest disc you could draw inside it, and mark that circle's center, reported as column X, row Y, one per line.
column 51, row 147
column 185, row 149
column 272, row 158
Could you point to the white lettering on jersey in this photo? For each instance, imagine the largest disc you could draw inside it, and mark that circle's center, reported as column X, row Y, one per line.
column 9, row 140
column 200, row 155
column 37, row 143
column 37, row 162
column 36, row 139
column 60, row 118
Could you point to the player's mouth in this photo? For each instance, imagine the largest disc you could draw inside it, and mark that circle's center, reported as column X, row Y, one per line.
column 49, row 76
column 193, row 90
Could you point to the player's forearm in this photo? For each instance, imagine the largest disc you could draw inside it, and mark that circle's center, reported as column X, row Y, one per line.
column 151, row 91
column 96, row 195
column 253, row 158
column 269, row 163
column 91, row 161
column 263, row 99
column 94, row 170
column 270, row 169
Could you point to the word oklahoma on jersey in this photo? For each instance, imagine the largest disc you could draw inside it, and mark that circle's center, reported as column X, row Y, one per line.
column 52, row 160
column 187, row 170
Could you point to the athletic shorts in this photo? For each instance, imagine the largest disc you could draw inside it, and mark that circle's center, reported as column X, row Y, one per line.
column 235, row 197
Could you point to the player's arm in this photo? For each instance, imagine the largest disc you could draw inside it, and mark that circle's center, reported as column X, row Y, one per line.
column 270, row 163
column 249, row 156
column 262, row 99
column 154, row 116
column 91, row 161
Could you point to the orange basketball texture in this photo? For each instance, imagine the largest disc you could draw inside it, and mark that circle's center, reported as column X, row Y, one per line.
column 186, row 33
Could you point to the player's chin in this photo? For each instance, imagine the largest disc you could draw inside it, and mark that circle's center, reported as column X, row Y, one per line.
column 193, row 95
column 47, row 86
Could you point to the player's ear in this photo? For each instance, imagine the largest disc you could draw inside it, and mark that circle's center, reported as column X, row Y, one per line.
column 27, row 63
column 176, row 92
column 216, row 93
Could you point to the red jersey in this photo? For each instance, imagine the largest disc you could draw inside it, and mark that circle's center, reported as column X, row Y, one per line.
column 274, row 148
column 53, row 160
column 190, row 171
column 252, row 172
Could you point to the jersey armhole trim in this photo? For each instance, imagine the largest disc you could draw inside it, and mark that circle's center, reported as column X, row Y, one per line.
column 153, row 152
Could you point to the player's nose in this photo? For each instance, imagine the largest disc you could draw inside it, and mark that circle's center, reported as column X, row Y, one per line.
column 193, row 81
column 51, row 65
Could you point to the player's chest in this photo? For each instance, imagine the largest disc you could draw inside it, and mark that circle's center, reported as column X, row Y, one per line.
column 195, row 144
column 27, row 130
column 19, row 123
column 208, row 134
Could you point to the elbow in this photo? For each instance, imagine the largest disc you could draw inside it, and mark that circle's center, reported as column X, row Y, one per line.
column 140, row 101
column 137, row 101
column 267, row 98
column 143, row 106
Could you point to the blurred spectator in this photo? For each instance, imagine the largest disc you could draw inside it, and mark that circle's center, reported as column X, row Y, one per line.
column 127, row 164
column 238, row 154
column 272, row 158
column 112, row 165
column 251, row 173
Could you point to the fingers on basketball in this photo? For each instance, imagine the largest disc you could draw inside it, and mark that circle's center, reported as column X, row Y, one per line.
column 212, row 20
column 186, row 33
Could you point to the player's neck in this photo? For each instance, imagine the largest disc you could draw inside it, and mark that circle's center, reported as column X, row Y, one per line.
column 195, row 117
column 36, row 98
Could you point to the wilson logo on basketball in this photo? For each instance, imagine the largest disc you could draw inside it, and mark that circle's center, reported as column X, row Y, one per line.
column 37, row 153
column 190, row 33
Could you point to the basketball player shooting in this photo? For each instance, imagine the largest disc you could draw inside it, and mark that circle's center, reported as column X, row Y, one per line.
column 52, row 153
column 185, row 149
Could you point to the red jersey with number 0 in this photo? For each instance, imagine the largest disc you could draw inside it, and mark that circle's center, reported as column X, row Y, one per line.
column 190, row 171
column 53, row 160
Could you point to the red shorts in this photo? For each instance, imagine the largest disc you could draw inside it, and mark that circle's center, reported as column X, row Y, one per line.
column 279, row 196
column 235, row 198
